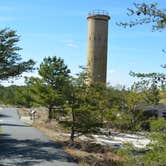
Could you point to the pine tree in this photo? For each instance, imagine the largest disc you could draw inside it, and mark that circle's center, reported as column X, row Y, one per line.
column 11, row 63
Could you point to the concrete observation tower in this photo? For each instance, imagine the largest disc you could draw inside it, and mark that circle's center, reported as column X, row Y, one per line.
column 97, row 46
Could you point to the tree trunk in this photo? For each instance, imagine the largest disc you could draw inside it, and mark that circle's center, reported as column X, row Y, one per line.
column 101, row 116
column 49, row 114
column 72, row 135
column 72, row 129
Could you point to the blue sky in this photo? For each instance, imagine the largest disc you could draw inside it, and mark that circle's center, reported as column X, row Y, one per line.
column 59, row 27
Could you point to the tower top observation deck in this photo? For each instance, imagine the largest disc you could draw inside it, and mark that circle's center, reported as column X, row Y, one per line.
column 99, row 13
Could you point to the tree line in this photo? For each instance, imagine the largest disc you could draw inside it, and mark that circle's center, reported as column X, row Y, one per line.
column 86, row 107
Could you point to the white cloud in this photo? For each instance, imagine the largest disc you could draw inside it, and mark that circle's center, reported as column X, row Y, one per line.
column 111, row 71
column 71, row 43
column 20, row 80
column 119, row 78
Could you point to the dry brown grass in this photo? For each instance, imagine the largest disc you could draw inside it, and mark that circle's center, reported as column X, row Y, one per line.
column 52, row 131
column 23, row 112
column 86, row 153
column 86, row 158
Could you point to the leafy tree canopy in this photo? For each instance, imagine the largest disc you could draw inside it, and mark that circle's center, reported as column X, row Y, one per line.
column 145, row 13
column 148, row 13
column 11, row 63
column 49, row 89
column 54, row 72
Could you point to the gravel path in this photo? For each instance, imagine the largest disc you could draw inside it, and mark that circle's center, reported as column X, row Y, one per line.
column 21, row 145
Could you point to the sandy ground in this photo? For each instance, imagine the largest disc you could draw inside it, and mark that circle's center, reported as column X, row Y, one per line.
column 116, row 140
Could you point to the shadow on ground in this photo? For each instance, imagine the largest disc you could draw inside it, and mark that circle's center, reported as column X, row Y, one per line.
column 29, row 152
column 4, row 116
column 8, row 124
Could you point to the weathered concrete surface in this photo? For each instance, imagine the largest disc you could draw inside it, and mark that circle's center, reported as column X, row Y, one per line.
column 97, row 47
column 21, row 145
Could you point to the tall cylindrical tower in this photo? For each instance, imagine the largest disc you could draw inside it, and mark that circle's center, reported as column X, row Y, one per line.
column 97, row 46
